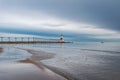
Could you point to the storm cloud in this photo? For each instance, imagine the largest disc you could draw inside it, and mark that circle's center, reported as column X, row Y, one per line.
column 98, row 16
column 100, row 12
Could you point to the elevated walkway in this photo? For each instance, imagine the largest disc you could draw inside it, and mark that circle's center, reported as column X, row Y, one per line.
column 28, row 40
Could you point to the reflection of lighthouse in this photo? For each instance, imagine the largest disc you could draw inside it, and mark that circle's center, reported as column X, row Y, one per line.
column 61, row 38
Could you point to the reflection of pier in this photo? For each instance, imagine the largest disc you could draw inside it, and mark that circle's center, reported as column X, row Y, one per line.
column 24, row 40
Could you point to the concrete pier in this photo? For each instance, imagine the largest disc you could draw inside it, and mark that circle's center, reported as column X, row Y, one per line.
column 26, row 40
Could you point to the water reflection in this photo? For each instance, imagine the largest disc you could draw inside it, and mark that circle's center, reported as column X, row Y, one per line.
column 12, row 54
column 21, row 67
column 1, row 50
column 42, row 45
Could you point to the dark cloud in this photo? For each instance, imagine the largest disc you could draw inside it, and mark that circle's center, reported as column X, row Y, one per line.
column 104, row 13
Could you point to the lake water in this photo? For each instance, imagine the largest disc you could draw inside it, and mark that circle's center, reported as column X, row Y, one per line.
column 15, row 64
column 82, row 61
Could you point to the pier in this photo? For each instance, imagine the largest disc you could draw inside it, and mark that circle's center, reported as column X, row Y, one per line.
column 26, row 40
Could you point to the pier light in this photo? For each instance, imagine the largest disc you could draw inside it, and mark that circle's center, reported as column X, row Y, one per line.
column 61, row 38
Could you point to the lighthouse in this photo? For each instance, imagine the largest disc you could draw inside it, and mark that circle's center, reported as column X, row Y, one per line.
column 61, row 38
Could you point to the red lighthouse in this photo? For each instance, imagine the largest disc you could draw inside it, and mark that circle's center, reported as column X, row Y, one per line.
column 61, row 38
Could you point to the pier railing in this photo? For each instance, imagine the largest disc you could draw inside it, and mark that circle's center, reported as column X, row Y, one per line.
column 28, row 40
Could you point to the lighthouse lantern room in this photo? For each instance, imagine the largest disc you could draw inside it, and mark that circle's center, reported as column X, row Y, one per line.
column 61, row 38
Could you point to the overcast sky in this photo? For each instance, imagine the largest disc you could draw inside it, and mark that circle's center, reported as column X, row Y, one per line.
column 76, row 19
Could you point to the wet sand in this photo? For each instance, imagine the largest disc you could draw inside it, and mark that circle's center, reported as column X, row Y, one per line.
column 28, row 69
column 37, row 56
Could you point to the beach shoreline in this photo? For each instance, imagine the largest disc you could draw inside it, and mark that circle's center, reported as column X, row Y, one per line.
column 88, row 61
column 27, row 68
column 38, row 56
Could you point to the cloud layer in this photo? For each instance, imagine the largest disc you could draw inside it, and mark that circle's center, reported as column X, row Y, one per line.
column 92, row 18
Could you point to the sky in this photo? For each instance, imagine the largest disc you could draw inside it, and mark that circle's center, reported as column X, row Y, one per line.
column 79, row 20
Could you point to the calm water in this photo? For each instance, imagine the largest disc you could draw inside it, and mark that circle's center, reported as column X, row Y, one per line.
column 13, row 66
column 87, row 61
column 83, row 61
column 9, row 54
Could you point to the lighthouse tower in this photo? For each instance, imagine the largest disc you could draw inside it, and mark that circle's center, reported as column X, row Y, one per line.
column 61, row 38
